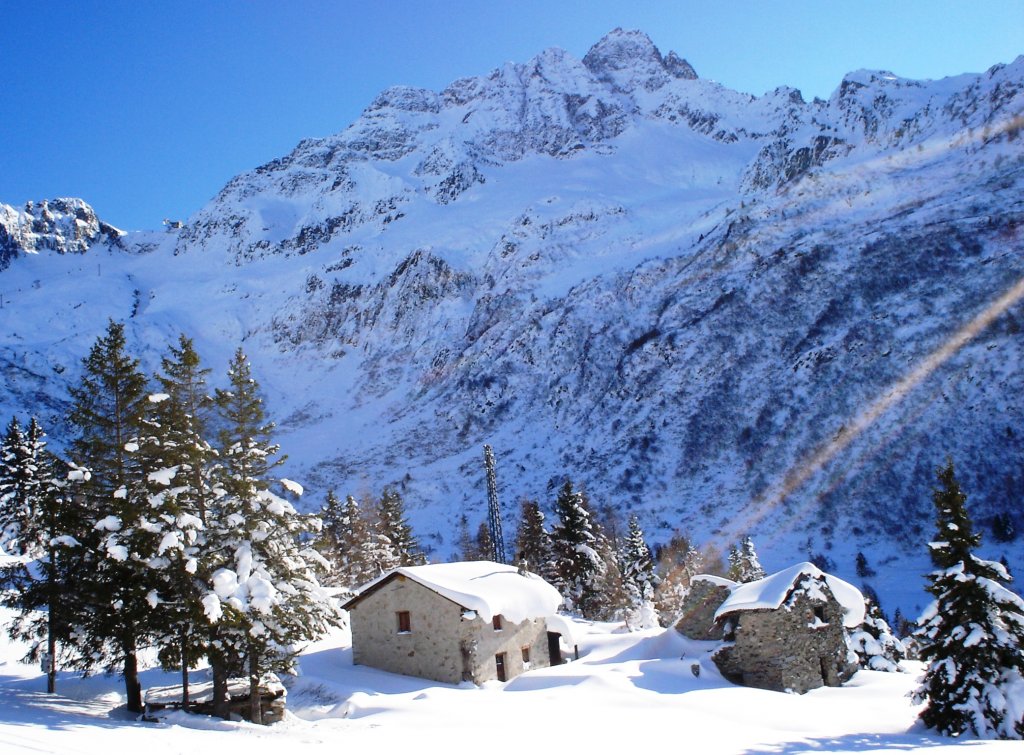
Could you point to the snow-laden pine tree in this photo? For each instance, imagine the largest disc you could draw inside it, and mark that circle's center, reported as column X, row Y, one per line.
column 24, row 482
column 360, row 551
column 578, row 562
column 329, row 541
column 533, row 542
column 636, row 565
column 876, row 645
column 393, row 527
column 264, row 598
column 744, row 565
column 972, row 635
column 108, row 411
column 45, row 591
column 182, row 500
column 345, row 541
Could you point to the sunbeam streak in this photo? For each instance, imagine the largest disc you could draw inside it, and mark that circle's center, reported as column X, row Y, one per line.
column 802, row 471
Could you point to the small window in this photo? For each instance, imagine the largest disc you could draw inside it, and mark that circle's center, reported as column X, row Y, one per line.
column 497, row 623
column 404, row 623
column 819, row 613
column 526, row 655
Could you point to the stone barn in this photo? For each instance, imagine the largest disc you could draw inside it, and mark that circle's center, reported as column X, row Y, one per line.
column 471, row 621
column 786, row 632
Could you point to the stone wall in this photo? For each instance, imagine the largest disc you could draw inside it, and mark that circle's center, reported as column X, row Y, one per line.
column 444, row 643
column 485, row 643
column 697, row 620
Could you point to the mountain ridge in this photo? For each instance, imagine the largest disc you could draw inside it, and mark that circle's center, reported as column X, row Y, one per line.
column 680, row 295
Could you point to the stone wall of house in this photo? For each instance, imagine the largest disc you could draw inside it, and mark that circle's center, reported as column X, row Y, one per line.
column 483, row 643
column 797, row 647
column 697, row 620
column 443, row 643
column 429, row 650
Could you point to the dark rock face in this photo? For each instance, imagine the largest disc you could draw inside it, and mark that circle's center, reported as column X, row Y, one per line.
column 678, row 67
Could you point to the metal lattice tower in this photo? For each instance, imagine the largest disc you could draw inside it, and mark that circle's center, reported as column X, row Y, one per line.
column 493, row 509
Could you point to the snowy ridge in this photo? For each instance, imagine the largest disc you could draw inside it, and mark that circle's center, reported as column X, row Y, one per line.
column 711, row 307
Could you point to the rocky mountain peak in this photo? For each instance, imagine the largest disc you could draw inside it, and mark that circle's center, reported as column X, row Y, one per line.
column 629, row 59
column 63, row 225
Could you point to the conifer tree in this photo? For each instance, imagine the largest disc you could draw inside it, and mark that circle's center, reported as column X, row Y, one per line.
column 345, row 541
column 678, row 562
column 579, row 564
column 394, row 527
column 483, row 547
column 182, row 502
column 1003, row 529
column 357, row 546
column 467, row 545
column 876, row 645
column 47, row 596
column 972, row 635
column 614, row 602
column 533, row 542
column 265, row 597
column 329, row 543
column 108, row 411
column 864, row 570
column 23, row 484
column 744, row 565
column 637, row 566
column 380, row 554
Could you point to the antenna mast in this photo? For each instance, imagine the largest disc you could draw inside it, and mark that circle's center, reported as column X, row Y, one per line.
column 493, row 509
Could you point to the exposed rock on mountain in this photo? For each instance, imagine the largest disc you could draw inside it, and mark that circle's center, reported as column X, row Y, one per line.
column 65, row 226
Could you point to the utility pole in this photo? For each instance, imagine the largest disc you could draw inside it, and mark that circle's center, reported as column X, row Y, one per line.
column 493, row 509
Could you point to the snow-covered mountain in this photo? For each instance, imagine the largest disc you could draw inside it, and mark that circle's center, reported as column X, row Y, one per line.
column 730, row 314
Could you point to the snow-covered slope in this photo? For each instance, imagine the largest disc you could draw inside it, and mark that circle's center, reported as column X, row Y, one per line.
column 731, row 314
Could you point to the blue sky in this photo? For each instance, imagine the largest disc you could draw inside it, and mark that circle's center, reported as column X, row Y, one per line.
column 146, row 109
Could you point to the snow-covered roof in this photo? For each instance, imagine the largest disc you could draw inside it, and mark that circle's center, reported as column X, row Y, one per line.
column 486, row 587
column 770, row 592
column 566, row 627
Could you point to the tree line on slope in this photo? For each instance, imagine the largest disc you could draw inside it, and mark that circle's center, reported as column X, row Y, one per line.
column 602, row 572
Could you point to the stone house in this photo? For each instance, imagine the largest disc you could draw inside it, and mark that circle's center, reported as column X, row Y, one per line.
column 786, row 632
column 471, row 621
column 697, row 619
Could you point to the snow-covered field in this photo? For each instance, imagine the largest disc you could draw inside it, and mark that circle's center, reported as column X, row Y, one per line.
column 627, row 692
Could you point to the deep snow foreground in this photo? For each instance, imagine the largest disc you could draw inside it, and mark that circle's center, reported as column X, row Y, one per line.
column 634, row 691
